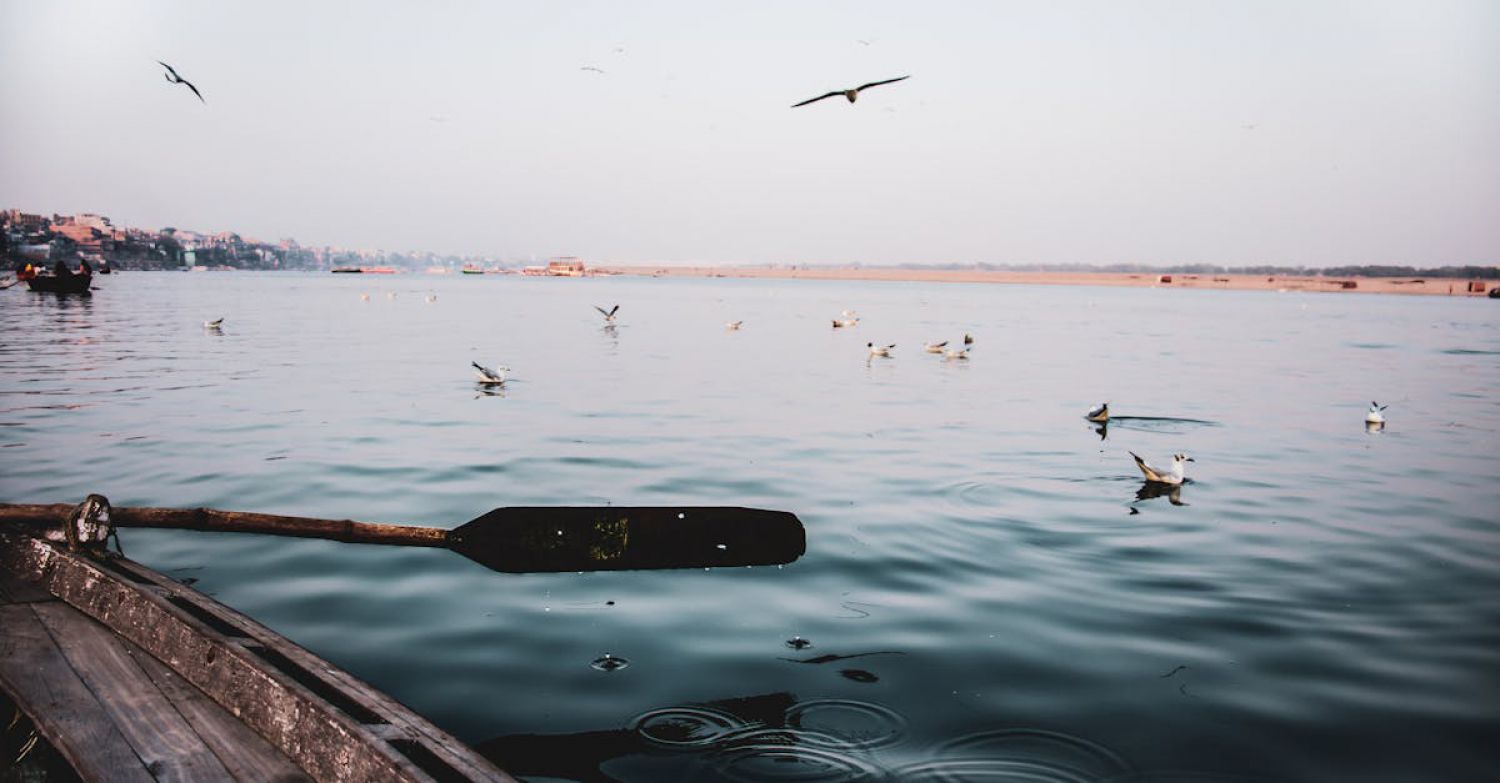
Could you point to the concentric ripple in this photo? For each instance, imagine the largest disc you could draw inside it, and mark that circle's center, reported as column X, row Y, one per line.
column 686, row 728
column 1030, row 755
column 794, row 763
column 857, row 725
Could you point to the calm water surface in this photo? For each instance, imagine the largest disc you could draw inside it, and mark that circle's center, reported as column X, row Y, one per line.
column 985, row 597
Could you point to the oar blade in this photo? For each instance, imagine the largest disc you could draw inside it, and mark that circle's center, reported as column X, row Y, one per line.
column 537, row 539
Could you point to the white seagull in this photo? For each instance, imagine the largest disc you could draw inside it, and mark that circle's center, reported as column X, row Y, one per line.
column 850, row 94
column 609, row 315
column 880, row 350
column 1179, row 462
column 489, row 377
column 1374, row 416
column 956, row 353
column 734, row 326
column 839, row 323
column 935, row 347
column 1099, row 412
column 214, row 324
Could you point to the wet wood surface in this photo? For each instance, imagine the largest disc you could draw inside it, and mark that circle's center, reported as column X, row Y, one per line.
column 133, row 676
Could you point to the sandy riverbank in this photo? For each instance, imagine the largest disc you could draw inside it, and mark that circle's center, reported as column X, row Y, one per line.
column 1359, row 285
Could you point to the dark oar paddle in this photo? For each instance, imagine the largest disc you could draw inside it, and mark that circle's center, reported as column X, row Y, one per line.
column 518, row 539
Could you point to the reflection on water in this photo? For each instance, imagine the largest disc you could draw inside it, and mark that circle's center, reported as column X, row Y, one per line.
column 1156, row 489
column 781, row 737
column 1328, row 592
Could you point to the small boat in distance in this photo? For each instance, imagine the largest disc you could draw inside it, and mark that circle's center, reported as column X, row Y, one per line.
column 346, row 270
column 472, row 269
column 60, row 280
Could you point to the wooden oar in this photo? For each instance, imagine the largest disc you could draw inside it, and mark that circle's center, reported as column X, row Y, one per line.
column 517, row 539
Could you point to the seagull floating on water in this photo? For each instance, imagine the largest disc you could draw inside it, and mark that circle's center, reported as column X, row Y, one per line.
column 1374, row 416
column 1176, row 476
column 171, row 76
column 839, row 323
column 935, row 347
column 489, row 377
column 609, row 315
column 853, row 94
column 956, row 353
column 214, row 324
column 1099, row 412
column 880, row 350
column 734, row 326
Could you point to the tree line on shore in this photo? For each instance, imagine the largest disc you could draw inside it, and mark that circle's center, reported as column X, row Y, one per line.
column 1468, row 272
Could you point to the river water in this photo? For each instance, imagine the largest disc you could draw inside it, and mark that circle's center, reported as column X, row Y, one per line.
column 983, row 596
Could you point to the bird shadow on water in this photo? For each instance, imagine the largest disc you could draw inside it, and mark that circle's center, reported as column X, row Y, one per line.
column 1150, row 490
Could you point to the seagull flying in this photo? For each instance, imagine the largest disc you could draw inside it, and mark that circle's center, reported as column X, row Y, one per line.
column 171, row 76
column 1179, row 462
column 935, row 347
column 1099, row 412
column 880, row 350
column 853, row 94
column 1374, row 416
column 591, row 68
column 609, row 315
column 489, row 377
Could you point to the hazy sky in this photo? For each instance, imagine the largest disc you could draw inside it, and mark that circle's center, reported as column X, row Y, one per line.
column 1095, row 132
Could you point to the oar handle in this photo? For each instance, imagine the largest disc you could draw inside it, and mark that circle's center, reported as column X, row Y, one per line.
column 240, row 522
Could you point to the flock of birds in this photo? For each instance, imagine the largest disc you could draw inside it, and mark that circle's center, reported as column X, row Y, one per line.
column 1157, row 479
column 496, row 376
column 851, row 94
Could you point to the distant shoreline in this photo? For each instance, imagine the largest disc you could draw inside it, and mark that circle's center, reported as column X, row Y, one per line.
column 1231, row 282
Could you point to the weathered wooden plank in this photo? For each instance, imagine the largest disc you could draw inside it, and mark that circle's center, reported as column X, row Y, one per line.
column 247, row 755
column 15, row 590
column 378, row 713
column 40, row 680
column 322, row 718
column 170, row 748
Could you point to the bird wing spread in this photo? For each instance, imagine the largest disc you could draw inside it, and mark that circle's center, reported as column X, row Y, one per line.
column 876, row 84
column 819, row 98
column 191, row 87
